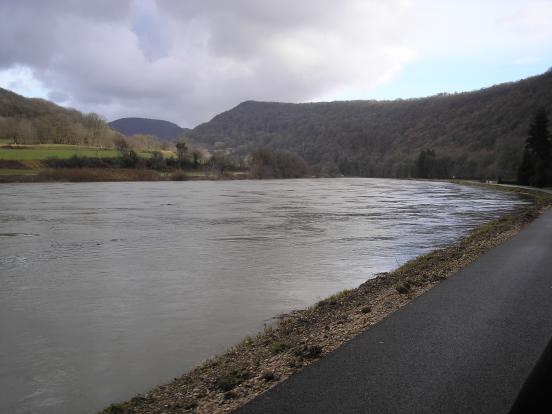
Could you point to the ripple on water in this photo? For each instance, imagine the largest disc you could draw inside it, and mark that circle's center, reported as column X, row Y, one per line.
column 128, row 285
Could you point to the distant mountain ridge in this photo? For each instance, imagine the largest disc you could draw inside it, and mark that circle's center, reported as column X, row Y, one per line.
column 474, row 134
column 161, row 129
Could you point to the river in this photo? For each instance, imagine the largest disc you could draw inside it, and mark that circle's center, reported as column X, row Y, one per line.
column 107, row 289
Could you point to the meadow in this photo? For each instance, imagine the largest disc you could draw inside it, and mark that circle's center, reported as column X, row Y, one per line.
column 45, row 151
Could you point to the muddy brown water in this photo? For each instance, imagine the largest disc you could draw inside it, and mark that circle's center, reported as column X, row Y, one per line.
column 108, row 289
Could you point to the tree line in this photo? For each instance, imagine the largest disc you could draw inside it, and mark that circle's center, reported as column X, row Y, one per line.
column 28, row 121
column 533, row 163
column 264, row 163
column 261, row 164
column 477, row 134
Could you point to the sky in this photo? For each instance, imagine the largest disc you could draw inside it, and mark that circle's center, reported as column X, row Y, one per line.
column 187, row 60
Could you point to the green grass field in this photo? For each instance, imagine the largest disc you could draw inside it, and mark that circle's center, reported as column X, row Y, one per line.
column 44, row 151
column 33, row 153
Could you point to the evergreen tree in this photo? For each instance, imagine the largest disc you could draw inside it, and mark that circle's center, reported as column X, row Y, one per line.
column 536, row 168
column 526, row 169
column 425, row 164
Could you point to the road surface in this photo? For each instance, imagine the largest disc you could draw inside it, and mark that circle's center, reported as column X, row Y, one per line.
column 466, row 346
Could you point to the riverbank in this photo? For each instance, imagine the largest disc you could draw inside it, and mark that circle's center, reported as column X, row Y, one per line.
column 112, row 175
column 256, row 364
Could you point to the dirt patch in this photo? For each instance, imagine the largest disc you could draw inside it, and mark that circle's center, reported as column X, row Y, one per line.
column 228, row 381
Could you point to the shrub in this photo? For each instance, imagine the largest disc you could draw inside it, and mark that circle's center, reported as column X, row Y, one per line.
column 278, row 347
column 309, row 351
column 366, row 309
column 81, row 162
column 230, row 379
column 156, row 162
column 104, row 174
column 178, row 176
column 403, row 288
column 268, row 376
column 129, row 159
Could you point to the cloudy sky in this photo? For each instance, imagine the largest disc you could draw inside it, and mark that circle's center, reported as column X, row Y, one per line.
column 187, row 60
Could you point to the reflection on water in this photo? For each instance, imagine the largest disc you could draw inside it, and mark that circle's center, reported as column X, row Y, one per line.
column 108, row 289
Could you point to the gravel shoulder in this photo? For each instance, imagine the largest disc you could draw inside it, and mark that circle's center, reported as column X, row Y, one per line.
column 227, row 382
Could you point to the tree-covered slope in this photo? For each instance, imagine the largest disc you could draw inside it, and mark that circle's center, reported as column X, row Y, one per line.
column 14, row 105
column 32, row 120
column 473, row 134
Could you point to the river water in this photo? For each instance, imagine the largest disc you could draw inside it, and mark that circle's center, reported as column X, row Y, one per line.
column 107, row 289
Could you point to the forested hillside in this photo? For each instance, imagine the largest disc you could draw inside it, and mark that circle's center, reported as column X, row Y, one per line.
column 472, row 134
column 156, row 127
column 36, row 121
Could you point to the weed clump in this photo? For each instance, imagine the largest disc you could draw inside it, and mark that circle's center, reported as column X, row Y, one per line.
column 366, row 309
column 334, row 300
column 230, row 379
column 268, row 376
column 403, row 288
column 279, row 347
column 229, row 395
column 309, row 351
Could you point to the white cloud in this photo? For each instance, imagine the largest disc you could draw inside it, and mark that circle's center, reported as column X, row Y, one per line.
column 185, row 61
column 533, row 18
column 20, row 79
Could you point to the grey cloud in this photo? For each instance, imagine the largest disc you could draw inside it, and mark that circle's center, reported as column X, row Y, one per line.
column 57, row 96
column 185, row 61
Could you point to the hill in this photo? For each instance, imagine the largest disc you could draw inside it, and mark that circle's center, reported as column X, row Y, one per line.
column 472, row 134
column 38, row 121
column 164, row 130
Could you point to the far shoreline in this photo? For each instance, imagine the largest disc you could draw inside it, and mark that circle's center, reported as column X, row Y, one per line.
column 81, row 175
column 106, row 175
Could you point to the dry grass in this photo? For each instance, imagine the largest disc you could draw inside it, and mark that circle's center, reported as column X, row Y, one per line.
column 228, row 381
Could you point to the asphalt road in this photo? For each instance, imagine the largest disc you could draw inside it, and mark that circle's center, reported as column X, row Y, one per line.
column 466, row 346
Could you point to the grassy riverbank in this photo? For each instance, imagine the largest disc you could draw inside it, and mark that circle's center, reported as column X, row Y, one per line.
column 30, row 163
column 226, row 382
column 62, row 151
